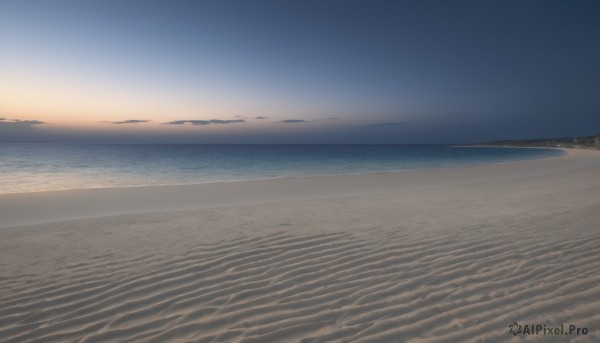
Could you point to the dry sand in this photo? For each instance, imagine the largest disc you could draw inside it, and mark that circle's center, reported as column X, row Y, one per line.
column 451, row 255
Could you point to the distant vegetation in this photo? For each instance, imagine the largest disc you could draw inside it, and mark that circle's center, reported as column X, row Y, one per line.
column 584, row 142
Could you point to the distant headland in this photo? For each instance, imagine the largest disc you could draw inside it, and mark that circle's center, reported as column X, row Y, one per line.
column 583, row 142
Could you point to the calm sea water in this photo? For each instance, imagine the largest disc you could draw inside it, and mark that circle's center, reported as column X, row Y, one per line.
column 40, row 167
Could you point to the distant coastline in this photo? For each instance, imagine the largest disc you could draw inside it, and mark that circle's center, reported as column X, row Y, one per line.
column 582, row 142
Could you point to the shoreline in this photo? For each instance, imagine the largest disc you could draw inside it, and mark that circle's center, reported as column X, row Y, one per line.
column 20, row 209
column 564, row 150
column 518, row 147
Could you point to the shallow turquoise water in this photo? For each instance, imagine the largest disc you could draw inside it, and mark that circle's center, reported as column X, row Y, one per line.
column 37, row 167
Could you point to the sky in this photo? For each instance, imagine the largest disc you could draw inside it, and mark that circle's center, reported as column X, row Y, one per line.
column 402, row 72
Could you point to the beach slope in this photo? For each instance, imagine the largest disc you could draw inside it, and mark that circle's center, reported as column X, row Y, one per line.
column 453, row 255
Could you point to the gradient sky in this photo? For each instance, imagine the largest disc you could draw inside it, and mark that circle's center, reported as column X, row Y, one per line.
column 298, row 71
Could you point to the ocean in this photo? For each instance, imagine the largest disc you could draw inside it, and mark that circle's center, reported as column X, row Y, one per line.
column 45, row 167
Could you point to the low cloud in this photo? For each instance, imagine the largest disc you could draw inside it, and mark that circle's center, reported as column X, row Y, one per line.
column 292, row 121
column 130, row 121
column 298, row 121
column 248, row 117
column 205, row 122
column 384, row 124
column 19, row 123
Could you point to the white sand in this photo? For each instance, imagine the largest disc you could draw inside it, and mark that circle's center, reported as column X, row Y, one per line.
column 450, row 255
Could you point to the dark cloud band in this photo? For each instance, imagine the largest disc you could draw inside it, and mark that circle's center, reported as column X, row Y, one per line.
column 383, row 124
column 205, row 122
column 292, row 121
column 130, row 121
column 19, row 123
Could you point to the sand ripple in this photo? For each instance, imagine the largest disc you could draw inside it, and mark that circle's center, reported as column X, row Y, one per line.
column 316, row 288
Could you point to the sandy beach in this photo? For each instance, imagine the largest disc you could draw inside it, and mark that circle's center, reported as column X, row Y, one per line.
column 448, row 255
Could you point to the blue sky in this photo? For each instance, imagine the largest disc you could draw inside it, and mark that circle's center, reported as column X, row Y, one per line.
column 313, row 71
